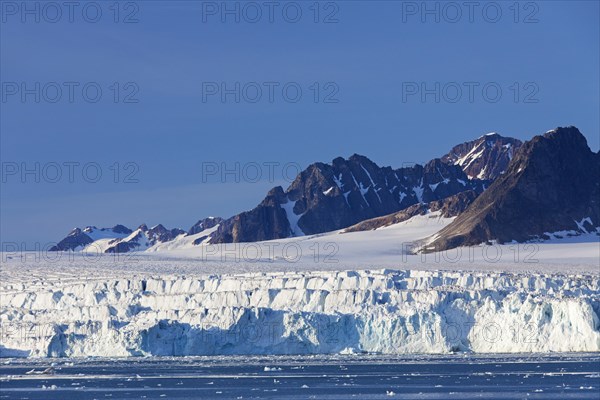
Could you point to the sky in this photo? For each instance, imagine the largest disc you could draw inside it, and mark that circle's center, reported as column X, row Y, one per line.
column 168, row 112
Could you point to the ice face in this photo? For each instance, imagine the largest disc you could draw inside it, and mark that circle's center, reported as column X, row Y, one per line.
column 382, row 311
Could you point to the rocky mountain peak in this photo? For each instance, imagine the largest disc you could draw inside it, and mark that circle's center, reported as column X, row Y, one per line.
column 486, row 157
column 326, row 197
column 203, row 224
column 75, row 231
column 121, row 229
column 550, row 185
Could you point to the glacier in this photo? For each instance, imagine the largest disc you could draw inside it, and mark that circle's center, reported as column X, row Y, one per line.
column 58, row 313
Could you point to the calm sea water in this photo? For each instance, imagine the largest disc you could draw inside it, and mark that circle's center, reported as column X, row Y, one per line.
column 566, row 376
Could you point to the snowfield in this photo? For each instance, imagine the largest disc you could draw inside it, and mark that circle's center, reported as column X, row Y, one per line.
column 387, row 247
column 332, row 293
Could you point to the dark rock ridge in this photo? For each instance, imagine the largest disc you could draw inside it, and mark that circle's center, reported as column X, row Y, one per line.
column 121, row 229
column 327, row 197
column 550, row 185
column 75, row 239
column 161, row 234
column 128, row 244
column 267, row 221
column 204, row 224
column 143, row 238
column 448, row 207
column 484, row 158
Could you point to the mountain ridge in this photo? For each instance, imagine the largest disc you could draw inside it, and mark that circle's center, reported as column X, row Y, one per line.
column 356, row 194
column 551, row 185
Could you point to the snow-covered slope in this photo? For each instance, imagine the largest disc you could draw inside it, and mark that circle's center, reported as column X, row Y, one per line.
column 120, row 239
column 383, row 311
column 78, row 239
column 184, row 241
column 392, row 246
column 321, row 248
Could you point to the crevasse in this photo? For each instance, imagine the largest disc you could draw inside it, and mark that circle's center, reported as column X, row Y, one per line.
column 381, row 311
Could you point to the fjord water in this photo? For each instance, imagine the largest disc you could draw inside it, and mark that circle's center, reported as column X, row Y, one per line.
column 458, row 376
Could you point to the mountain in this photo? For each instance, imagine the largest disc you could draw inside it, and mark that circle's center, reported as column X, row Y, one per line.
column 78, row 238
column 448, row 207
column 327, row 197
column 143, row 238
column 484, row 158
column 204, row 224
column 550, row 185
column 118, row 239
column 534, row 188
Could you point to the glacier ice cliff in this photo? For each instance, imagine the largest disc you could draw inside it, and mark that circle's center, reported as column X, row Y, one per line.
column 384, row 311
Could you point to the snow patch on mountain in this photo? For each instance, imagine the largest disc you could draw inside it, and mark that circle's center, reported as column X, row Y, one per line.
column 104, row 233
column 470, row 157
column 292, row 217
column 185, row 241
column 418, row 191
column 485, row 158
column 98, row 246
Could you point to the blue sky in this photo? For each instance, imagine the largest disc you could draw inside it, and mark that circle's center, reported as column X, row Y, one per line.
column 176, row 51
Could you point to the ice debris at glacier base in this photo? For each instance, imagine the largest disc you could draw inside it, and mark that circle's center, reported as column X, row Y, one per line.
column 308, row 312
